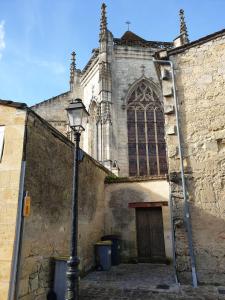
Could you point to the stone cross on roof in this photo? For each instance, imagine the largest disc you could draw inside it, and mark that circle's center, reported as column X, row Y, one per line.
column 128, row 25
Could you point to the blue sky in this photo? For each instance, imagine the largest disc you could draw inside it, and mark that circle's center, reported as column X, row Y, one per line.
column 37, row 36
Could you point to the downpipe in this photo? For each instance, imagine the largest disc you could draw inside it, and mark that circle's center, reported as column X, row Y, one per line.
column 16, row 249
column 173, row 236
column 186, row 206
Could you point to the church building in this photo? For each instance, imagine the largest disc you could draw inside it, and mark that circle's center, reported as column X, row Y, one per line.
column 157, row 122
column 120, row 88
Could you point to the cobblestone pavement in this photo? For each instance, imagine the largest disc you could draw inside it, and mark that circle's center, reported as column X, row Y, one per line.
column 142, row 282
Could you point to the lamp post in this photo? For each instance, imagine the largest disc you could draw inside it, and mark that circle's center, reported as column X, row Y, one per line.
column 77, row 115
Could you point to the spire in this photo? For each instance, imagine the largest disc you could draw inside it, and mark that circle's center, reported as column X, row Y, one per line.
column 183, row 27
column 72, row 66
column 103, row 24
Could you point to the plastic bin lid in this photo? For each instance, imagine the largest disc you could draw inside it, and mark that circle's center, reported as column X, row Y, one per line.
column 112, row 236
column 104, row 243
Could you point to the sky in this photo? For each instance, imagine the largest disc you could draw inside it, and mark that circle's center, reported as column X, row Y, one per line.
column 37, row 36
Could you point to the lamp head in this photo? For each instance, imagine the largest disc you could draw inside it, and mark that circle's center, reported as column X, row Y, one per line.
column 77, row 115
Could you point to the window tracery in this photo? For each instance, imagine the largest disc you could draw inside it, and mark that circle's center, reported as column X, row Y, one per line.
column 145, row 124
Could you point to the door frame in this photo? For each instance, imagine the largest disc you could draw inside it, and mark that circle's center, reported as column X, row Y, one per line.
column 150, row 205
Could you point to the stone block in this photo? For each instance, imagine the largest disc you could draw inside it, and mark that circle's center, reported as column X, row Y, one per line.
column 171, row 130
column 167, row 91
column 168, row 109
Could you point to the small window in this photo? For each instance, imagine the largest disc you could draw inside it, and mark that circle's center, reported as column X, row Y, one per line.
column 2, row 130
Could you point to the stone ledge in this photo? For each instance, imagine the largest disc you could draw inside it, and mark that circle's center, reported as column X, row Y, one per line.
column 114, row 179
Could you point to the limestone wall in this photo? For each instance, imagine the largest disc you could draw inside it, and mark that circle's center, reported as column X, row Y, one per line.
column 10, row 168
column 200, row 84
column 121, row 219
column 46, row 232
column 53, row 111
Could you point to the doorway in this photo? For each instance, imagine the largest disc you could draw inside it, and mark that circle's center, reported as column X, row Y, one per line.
column 150, row 235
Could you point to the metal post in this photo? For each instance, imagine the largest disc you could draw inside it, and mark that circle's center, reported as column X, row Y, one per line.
column 72, row 273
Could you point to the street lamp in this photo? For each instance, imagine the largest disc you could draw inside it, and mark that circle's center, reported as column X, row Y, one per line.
column 77, row 115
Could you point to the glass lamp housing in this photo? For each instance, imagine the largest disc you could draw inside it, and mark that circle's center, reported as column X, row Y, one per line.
column 77, row 115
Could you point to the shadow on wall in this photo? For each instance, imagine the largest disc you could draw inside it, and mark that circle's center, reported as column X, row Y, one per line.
column 120, row 219
column 201, row 117
column 122, row 196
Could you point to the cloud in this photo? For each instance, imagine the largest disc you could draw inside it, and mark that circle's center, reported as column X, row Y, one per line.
column 2, row 37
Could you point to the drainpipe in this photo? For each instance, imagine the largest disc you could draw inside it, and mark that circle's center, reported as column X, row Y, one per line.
column 173, row 236
column 186, row 206
column 16, row 250
column 13, row 286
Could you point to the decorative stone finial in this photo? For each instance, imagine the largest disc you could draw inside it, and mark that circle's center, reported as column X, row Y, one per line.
column 183, row 27
column 103, row 24
column 72, row 66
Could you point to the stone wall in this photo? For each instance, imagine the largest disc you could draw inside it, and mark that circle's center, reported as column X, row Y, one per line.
column 53, row 111
column 200, row 84
column 10, row 169
column 91, row 209
column 46, row 232
column 121, row 219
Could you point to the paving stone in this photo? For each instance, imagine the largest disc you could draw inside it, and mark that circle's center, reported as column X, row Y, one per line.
column 142, row 282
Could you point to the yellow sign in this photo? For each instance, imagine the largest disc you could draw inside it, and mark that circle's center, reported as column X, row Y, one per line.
column 26, row 207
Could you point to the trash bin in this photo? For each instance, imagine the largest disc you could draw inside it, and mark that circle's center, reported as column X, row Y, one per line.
column 60, row 277
column 116, row 248
column 103, row 255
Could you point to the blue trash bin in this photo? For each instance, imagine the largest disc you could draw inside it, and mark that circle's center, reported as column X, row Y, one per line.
column 103, row 255
column 116, row 248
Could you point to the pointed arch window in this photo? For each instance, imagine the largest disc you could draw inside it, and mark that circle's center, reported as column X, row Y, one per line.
column 145, row 123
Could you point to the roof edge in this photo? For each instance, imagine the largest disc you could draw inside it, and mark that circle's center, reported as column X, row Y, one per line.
column 200, row 41
column 13, row 104
column 52, row 98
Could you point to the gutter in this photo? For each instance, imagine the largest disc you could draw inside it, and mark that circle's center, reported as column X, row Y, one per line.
column 186, row 205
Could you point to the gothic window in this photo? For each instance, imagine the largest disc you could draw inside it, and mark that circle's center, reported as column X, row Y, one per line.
column 145, row 123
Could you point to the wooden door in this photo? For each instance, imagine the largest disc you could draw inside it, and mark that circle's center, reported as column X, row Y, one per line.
column 150, row 237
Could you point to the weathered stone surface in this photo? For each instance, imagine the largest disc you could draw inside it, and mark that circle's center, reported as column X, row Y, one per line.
column 200, row 85
column 46, row 232
column 10, row 167
column 121, row 219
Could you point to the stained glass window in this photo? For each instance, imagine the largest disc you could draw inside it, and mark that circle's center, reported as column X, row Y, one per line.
column 145, row 123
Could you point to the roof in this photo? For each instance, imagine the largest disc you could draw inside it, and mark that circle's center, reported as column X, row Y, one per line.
column 93, row 57
column 50, row 99
column 129, row 38
column 13, row 104
column 198, row 42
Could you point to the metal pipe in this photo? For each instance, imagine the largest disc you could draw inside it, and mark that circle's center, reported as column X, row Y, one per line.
column 186, row 206
column 16, row 248
column 173, row 235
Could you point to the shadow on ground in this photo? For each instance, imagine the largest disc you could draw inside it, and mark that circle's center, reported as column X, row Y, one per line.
column 142, row 282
